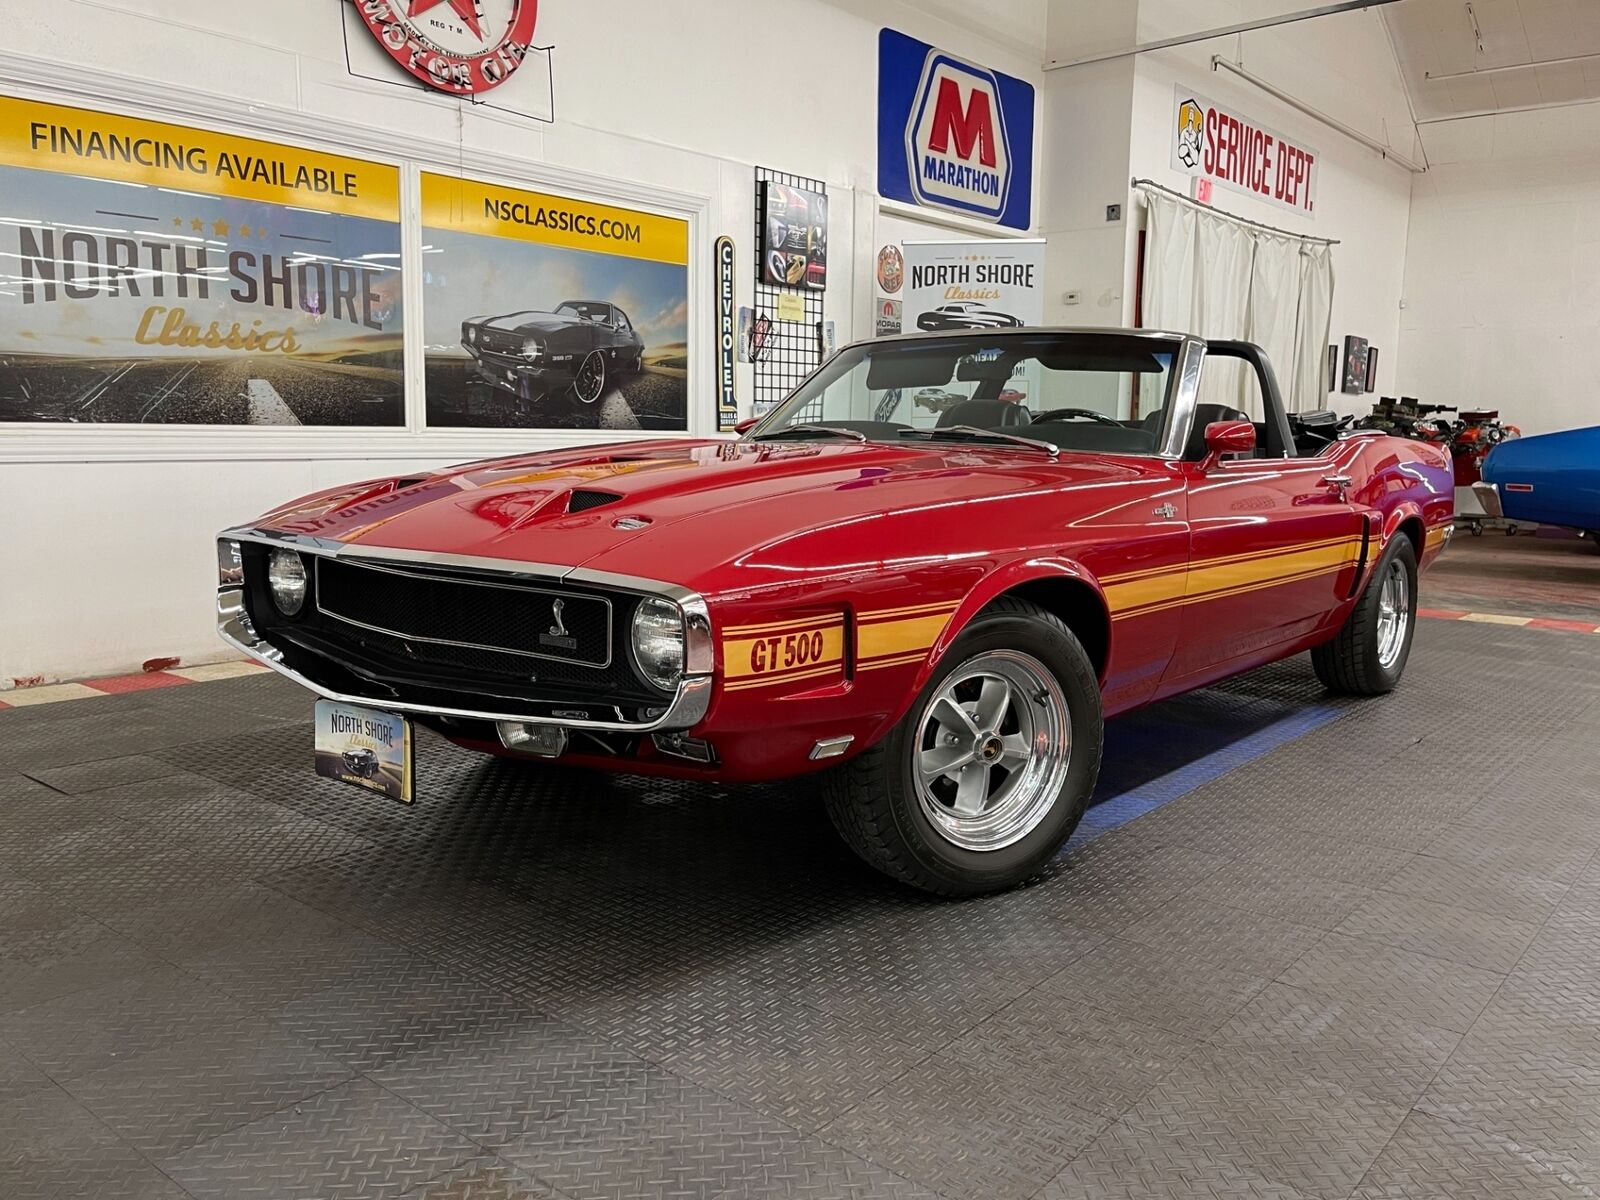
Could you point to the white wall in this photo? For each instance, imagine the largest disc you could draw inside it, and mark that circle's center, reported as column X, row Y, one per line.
column 1340, row 65
column 1109, row 122
column 1502, row 283
column 106, row 538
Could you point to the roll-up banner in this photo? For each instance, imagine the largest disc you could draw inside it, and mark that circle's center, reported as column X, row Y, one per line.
column 956, row 285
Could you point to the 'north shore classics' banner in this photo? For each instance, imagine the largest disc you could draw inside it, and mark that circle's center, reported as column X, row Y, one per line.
column 153, row 273
column 546, row 311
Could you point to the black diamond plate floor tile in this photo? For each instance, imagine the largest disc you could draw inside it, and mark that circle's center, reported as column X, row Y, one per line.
column 650, row 1134
column 1432, row 990
column 166, row 1099
column 1187, row 995
column 354, row 1140
column 1264, row 1117
column 1375, row 1051
column 1475, row 939
column 103, row 773
column 18, row 1076
column 91, row 1029
column 1109, row 1059
column 51, row 1148
column 964, row 1131
column 486, row 1178
column 1434, row 1159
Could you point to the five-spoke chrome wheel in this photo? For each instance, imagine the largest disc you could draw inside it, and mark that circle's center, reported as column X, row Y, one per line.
column 1394, row 613
column 590, row 382
column 994, row 743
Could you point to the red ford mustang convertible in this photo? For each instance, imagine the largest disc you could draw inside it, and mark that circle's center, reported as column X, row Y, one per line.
column 935, row 610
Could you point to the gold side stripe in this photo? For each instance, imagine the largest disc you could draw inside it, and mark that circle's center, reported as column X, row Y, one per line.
column 897, row 637
column 1221, row 595
column 887, row 614
column 1201, row 564
column 897, row 660
column 818, row 622
column 773, row 680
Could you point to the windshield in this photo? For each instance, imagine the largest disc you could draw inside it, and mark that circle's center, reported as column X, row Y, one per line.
column 1062, row 388
column 589, row 312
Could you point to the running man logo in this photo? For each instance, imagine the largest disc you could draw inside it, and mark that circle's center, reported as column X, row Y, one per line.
column 1191, row 131
column 956, row 140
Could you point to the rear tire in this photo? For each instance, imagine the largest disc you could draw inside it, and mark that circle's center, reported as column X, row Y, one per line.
column 989, row 772
column 1369, row 653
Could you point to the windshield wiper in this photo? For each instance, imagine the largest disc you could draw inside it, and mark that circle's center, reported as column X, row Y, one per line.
column 855, row 435
column 968, row 432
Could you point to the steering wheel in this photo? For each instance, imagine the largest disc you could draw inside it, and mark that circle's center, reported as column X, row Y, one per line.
column 1052, row 414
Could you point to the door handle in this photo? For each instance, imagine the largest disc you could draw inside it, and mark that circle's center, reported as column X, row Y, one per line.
column 1341, row 483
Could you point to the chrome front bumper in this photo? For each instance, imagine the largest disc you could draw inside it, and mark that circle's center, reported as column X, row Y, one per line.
column 686, row 709
column 1488, row 498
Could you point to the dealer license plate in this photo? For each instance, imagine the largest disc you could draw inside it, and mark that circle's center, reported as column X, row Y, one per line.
column 366, row 747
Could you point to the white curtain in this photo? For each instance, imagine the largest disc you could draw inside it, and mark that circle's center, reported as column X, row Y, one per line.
column 1208, row 274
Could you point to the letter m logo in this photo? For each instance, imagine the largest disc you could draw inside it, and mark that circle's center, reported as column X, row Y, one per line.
column 972, row 126
column 957, row 157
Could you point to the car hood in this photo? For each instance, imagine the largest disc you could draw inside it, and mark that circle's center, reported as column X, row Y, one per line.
column 686, row 511
column 530, row 322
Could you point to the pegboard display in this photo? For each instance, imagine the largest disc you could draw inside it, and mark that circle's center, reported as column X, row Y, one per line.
column 792, row 349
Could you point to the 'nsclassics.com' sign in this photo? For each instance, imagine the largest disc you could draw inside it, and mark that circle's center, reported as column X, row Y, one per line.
column 1217, row 143
column 952, row 134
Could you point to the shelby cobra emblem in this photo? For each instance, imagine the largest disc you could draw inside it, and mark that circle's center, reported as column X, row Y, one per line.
column 935, row 608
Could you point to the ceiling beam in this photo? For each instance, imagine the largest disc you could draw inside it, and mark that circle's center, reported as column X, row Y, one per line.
column 1288, row 18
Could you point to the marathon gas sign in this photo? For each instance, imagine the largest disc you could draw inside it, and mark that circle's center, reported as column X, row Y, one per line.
column 1234, row 151
column 952, row 134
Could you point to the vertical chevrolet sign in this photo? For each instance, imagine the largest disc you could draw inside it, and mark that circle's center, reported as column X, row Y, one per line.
column 952, row 134
column 727, row 336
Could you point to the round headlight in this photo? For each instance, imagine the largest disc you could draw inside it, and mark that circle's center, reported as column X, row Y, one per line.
column 286, row 580
column 658, row 642
column 532, row 348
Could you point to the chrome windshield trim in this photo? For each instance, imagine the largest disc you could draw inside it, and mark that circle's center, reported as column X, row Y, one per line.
column 1183, row 396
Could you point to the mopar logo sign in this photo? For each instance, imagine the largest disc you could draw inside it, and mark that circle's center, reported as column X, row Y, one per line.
column 952, row 134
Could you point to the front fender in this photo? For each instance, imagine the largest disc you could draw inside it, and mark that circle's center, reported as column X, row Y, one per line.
column 993, row 585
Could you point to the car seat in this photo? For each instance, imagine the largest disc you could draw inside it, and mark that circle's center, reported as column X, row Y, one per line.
column 985, row 414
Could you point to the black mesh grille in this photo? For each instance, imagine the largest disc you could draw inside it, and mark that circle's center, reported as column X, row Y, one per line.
column 440, row 609
column 501, row 341
column 583, row 499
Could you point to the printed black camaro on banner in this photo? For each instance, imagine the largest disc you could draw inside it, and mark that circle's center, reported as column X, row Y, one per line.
column 158, row 274
column 543, row 311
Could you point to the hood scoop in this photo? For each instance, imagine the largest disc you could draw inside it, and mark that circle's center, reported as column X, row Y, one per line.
column 583, row 499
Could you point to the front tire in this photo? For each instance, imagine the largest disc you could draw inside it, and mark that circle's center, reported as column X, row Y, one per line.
column 1369, row 653
column 990, row 770
column 589, row 384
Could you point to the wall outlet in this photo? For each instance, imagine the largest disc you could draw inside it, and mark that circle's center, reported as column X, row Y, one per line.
column 1113, row 212
column 1071, row 297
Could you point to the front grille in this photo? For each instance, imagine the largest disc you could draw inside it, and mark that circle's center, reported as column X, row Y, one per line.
column 501, row 341
column 429, row 635
column 441, row 614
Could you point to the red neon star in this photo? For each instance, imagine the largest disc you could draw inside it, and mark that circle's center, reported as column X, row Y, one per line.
column 467, row 10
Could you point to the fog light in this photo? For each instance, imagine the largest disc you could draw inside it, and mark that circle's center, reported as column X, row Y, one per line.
column 679, row 746
column 546, row 741
column 286, row 580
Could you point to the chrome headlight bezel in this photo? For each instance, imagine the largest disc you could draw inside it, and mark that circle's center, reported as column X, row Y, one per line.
column 288, row 581
column 657, row 642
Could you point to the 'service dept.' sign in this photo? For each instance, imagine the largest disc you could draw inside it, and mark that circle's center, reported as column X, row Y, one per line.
column 1214, row 142
column 952, row 134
